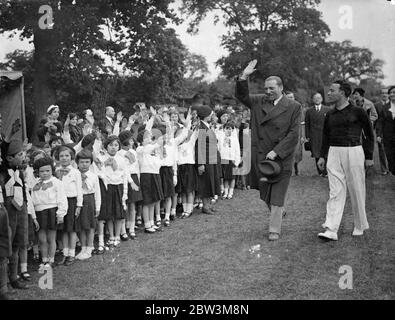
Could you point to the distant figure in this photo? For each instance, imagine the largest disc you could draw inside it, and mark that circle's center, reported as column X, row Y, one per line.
column 386, row 129
column 299, row 146
column 109, row 120
column 314, row 124
column 380, row 107
column 367, row 105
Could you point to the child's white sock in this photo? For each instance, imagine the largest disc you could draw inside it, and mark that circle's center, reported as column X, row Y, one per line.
column 226, row 192
column 173, row 211
column 72, row 253
column 23, row 267
column 231, row 192
column 167, row 215
column 101, row 240
column 66, row 252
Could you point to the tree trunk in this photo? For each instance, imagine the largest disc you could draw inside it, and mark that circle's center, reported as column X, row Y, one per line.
column 43, row 93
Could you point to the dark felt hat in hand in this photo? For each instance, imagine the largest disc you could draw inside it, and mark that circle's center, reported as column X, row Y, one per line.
column 270, row 170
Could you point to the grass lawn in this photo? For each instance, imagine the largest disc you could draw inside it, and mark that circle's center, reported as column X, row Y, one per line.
column 208, row 257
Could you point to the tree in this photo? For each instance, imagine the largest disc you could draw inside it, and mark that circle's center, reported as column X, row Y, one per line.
column 288, row 38
column 196, row 66
column 270, row 31
column 68, row 58
column 348, row 62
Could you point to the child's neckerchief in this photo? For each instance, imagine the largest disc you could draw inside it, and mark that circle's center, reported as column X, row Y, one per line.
column 43, row 185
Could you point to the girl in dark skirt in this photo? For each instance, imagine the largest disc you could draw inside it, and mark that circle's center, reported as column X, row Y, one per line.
column 91, row 203
column 229, row 148
column 72, row 182
column 168, row 171
column 150, row 182
column 134, row 192
column 187, row 176
column 50, row 204
column 115, row 175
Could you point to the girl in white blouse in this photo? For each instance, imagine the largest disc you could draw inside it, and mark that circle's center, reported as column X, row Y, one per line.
column 91, row 203
column 72, row 183
column 114, row 173
column 229, row 149
column 134, row 192
column 50, row 204
column 148, row 155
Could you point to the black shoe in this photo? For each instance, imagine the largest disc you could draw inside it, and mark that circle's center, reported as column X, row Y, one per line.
column 172, row 217
column 124, row 237
column 25, row 276
column 61, row 261
column 207, row 211
column 69, row 261
column 132, row 235
column 16, row 284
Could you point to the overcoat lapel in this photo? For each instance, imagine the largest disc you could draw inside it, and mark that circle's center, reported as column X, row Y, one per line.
column 271, row 112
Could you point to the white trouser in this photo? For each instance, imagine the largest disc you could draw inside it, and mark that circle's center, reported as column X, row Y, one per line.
column 346, row 169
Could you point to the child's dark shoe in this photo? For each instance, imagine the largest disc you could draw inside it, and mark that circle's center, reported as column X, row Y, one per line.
column 69, row 261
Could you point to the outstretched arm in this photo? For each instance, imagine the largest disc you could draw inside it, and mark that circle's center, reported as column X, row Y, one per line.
column 242, row 92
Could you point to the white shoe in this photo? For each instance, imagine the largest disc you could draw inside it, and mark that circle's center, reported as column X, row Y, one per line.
column 85, row 256
column 328, row 235
column 81, row 254
column 357, row 232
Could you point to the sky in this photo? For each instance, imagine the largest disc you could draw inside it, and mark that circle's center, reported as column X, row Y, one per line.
column 367, row 23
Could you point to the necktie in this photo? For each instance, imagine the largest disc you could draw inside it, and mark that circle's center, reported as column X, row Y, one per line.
column 317, row 108
column 111, row 163
column 84, row 184
column 60, row 173
column 42, row 185
column 130, row 156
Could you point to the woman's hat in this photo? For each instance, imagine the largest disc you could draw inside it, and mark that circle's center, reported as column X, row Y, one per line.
column 51, row 108
column 270, row 170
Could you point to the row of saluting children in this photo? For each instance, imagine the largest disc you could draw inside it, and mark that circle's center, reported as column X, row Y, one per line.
column 97, row 184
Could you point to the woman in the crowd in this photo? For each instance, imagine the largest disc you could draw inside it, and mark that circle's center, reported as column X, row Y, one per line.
column 50, row 126
column 74, row 129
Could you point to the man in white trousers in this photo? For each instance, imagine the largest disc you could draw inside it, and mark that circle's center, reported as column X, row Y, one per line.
column 342, row 146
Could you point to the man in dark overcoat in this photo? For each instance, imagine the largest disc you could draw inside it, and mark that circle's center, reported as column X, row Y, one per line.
column 275, row 122
column 314, row 124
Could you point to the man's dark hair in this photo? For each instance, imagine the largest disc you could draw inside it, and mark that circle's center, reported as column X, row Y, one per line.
column 345, row 87
column 360, row 91
column 84, row 154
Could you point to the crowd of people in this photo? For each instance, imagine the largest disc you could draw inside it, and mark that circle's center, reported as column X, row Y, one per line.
column 89, row 184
